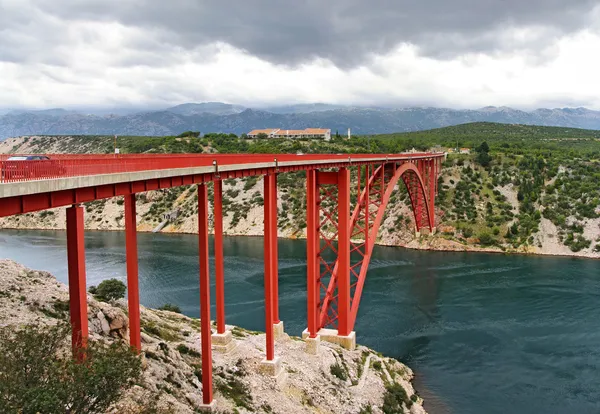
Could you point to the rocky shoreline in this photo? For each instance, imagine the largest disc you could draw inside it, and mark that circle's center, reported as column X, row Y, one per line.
column 427, row 243
column 360, row 382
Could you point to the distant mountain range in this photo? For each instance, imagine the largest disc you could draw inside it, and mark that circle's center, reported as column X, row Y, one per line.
column 221, row 117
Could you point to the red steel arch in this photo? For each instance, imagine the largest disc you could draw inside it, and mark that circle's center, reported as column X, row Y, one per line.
column 337, row 308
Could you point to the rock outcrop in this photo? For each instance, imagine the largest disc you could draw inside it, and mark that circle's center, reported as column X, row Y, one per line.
column 335, row 381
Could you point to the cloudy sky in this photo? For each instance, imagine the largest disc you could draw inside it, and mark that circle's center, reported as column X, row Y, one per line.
column 454, row 53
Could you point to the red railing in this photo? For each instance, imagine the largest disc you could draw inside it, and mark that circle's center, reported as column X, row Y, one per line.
column 74, row 165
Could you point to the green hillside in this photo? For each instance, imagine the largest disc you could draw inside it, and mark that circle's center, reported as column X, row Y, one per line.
column 501, row 135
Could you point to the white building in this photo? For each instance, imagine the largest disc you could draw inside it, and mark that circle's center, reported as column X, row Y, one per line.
column 293, row 133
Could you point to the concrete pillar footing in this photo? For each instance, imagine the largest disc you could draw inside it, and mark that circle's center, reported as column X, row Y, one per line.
column 223, row 343
column 270, row 368
column 331, row 335
column 273, row 369
column 278, row 330
column 208, row 408
column 313, row 345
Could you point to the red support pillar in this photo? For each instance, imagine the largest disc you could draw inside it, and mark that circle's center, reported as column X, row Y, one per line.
column 432, row 189
column 206, row 333
column 131, row 253
column 343, row 275
column 275, row 256
column 367, row 207
column 382, row 189
column 312, row 248
column 219, row 265
column 418, row 198
column 270, row 220
column 77, row 286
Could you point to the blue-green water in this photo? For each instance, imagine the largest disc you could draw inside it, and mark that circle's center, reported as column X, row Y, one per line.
column 484, row 333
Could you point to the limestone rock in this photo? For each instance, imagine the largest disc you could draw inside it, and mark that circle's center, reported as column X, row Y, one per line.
column 172, row 363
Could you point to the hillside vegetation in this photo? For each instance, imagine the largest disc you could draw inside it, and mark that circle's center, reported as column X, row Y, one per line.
column 521, row 188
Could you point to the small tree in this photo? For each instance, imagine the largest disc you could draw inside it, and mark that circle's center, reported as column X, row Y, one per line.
column 483, row 156
column 107, row 290
column 486, row 239
column 37, row 376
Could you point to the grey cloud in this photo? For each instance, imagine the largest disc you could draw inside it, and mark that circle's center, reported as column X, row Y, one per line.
column 344, row 31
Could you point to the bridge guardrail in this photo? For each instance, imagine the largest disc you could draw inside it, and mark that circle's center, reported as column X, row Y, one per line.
column 74, row 165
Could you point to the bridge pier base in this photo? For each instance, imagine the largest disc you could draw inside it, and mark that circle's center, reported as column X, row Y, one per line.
column 223, row 343
column 278, row 331
column 273, row 368
column 208, row 408
column 331, row 335
column 313, row 345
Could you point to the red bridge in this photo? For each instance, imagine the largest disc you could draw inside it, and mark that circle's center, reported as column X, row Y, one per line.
column 340, row 233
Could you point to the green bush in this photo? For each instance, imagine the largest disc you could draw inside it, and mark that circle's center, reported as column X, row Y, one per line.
column 37, row 376
column 107, row 290
column 170, row 307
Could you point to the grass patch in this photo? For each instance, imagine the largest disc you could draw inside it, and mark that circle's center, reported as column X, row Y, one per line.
column 168, row 334
column 233, row 388
column 366, row 409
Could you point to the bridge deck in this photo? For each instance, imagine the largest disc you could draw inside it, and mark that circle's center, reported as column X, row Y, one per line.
column 66, row 172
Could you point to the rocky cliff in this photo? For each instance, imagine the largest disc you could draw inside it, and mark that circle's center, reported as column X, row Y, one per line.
column 359, row 383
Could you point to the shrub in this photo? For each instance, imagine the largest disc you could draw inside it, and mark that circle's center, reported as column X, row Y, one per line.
column 338, row 371
column 110, row 289
column 183, row 349
column 467, row 232
column 394, row 397
column 38, row 376
column 170, row 307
